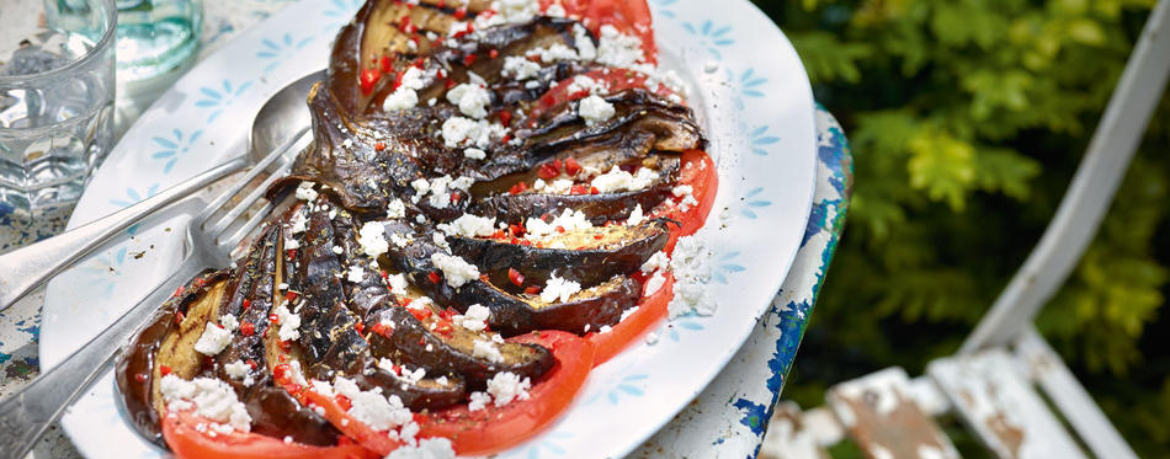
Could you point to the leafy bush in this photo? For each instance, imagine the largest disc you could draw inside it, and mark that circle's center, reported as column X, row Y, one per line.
column 967, row 119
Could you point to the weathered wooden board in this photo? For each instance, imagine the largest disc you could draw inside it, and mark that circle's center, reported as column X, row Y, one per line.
column 990, row 393
column 880, row 414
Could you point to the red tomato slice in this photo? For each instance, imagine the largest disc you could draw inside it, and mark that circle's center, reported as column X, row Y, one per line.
column 188, row 443
column 650, row 311
column 698, row 171
column 494, row 429
column 360, row 432
column 631, row 17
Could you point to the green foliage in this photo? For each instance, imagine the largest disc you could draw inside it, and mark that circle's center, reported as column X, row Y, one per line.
column 967, row 119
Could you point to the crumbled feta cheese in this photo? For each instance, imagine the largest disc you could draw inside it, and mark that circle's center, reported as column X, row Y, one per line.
column 289, row 323
column 519, row 68
column 210, row 398
column 356, row 274
column 458, row 131
column 229, row 322
column 474, row 153
column 299, row 223
column 399, row 240
column 488, row 351
column 619, row 180
column 555, row 10
column 372, row 408
column 237, row 369
column 479, row 400
column 682, row 190
column 506, row 386
column 401, row 99
column 441, row 241
column 398, row 283
column 417, row 79
column 471, row 99
column 618, row 50
column 627, row 313
column 558, row 288
column 372, row 238
column 636, row 216
column 555, row 53
column 656, row 262
column 428, row 448
column 456, row 270
column 305, row 191
column 586, row 49
column 396, row 209
column 582, row 83
column 468, row 225
column 476, row 317
column 690, row 265
column 569, row 220
column 213, row 340
column 421, row 186
column 516, row 11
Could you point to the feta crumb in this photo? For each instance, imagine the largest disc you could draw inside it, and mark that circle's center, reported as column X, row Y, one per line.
column 298, row 224
column 692, row 271
column 627, row 313
column 569, row 220
column 605, row 329
column 305, row 191
column 399, row 240
column 372, row 408
column 468, row 225
column 618, row 50
column 636, row 216
column 356, row 274
column 237, row 369
column 396, row 209
column 476, row 317
column 210, row 398
column 619, row 180
column 656, row 262
column 372, row 238
column 586, row 49
column 506, row 386
column 229, row 322
column 456, row 270
column 428, row 448
column 398, row 283
column 474, row 153
column 595, row 110
column 472, row 100
column 401, row 99
column 479, row 401
column 289, row 323
column 213, row 340
column 555, row 53
column 555, row 10
column 458, row 131
column 558, row 288
column 488, row 351
column 519, row 68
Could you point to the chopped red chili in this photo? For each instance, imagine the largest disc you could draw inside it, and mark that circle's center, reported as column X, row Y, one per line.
column 518, row 188
column 572, row 167
column 247, row 328
column 369, row 78
column 164, row 370
column 433, row 277
column 532, row 290
column 515, row 276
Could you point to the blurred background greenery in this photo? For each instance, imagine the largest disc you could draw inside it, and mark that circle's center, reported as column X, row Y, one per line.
column 967, row 120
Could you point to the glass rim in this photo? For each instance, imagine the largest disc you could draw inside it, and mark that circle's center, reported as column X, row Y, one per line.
column 104, row 43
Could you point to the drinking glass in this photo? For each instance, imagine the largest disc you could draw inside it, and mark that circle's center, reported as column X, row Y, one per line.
column 56, row 105
column 155, row 36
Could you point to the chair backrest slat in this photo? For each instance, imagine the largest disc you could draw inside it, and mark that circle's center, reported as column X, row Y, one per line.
column 1093, row 187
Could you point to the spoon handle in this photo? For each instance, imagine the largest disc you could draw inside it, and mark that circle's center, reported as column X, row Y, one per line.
column 27, row 267
column 25, row 415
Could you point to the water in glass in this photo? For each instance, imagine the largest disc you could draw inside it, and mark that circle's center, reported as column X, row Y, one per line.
column 155, row 36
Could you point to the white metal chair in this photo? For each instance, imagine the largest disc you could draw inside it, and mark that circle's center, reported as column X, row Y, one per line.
column 991, row 383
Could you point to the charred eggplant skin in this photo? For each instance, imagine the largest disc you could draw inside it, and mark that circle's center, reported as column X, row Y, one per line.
column 416, row 396
column 410, row 340
column 134, row 370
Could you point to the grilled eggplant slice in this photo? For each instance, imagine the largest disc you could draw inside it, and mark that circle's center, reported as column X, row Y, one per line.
column 411, row 341
column 599, row 208
column 588, row 256
column 513, row 314
column 138, row 368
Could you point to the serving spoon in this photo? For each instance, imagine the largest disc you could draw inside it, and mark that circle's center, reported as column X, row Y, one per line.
column 282, row 116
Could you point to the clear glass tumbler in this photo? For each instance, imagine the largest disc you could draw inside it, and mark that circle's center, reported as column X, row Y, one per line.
column 56, row 105
column 156, row 36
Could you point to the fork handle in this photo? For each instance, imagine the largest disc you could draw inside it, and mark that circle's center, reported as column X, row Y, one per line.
column 27, row 267
column 26, row 415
